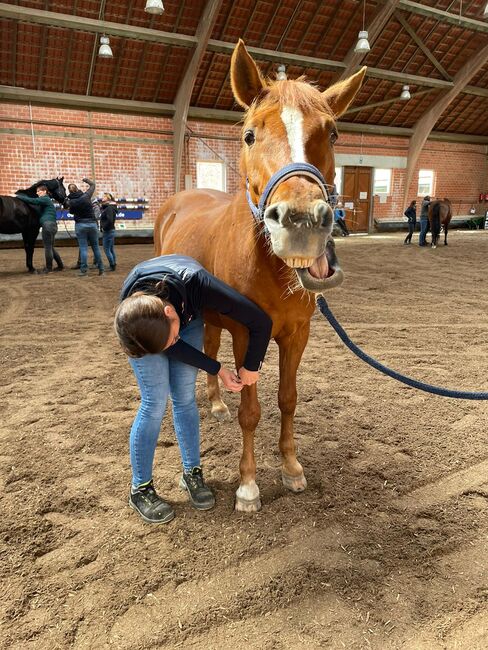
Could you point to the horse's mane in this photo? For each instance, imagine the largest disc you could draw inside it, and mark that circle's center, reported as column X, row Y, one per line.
column 297, row 93
column 31, row 191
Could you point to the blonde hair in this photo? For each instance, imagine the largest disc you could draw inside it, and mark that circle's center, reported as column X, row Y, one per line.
column 141, row 325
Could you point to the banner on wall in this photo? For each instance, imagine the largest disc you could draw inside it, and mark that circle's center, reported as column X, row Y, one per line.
column 64, row 215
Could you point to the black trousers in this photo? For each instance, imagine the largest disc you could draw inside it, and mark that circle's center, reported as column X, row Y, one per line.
column 411, row 230
column 49, row 230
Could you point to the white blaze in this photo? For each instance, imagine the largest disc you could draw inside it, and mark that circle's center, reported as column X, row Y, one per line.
column 293, row 120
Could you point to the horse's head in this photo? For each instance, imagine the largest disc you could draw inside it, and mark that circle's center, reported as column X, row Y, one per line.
column 57, row 189
column 292, row 122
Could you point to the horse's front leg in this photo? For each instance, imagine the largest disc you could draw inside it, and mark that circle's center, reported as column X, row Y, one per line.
column 291, row 349
column 212, row 343
column 247, row 495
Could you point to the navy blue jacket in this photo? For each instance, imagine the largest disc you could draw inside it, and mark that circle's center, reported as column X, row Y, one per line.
column 190, row 290
column 80, row 204
column 411, row 214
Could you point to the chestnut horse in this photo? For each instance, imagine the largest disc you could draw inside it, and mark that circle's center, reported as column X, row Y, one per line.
column 283, row 255
column 440, row 213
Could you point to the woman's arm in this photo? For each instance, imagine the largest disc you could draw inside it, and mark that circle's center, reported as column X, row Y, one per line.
column 211, row 293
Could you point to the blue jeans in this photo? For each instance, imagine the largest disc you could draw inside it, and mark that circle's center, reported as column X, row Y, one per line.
column 108, row 247
column 87, row 233
column 424, row 229
column 158, row 377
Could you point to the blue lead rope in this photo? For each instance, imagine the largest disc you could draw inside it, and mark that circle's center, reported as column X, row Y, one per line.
column 428, row 388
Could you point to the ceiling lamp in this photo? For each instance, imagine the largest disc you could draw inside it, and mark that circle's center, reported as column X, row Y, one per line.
column 281, row 76
column 154, row 7
column 105, row 51
column 405, row 93
column 362, row 46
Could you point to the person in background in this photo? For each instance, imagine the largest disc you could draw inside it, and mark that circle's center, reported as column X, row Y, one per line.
column 97, row 212
column 424, row 221
column 159, row 326
column 49, row 227
column 86, row 227
column 411, row 214
column 333, row 196
column 340, row 219
column 107, row 226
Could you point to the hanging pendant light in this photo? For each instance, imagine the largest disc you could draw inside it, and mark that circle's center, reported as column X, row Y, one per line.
column 281, row 76
column 362, row 46
column 154, row 7
column 405, row 95
column 105, row 51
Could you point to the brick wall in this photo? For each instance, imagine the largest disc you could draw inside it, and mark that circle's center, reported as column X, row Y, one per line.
column 132, row 156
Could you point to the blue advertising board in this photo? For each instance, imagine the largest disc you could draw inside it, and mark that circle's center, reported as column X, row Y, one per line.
column 64, row 215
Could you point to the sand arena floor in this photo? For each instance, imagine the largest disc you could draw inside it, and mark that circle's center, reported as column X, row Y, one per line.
column 386, row 549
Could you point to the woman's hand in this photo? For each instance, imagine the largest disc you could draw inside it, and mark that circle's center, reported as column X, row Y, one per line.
column 248, row 377
column 230, row 380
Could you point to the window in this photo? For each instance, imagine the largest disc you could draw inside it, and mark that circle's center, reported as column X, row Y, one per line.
column 211, row 175
column 338, row 180
column 426, row 182
column 382, row 181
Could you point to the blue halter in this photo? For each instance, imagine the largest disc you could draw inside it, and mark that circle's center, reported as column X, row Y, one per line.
column 288, row 171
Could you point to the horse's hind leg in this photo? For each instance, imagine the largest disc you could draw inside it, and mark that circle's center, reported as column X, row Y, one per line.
column 446, row 228
column 212, row 344
column 291, row 350
column 29, row 239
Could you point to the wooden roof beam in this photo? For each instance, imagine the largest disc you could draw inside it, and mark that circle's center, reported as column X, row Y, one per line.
column 183, row 96
column 44, row 98
column 82, row 24
column 422, row 46
column 444, row 16
column 426, row 123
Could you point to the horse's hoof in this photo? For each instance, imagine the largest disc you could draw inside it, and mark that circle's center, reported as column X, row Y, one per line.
column 221, row 413
column 247, row 497
column 294, row 483
column 243, row 505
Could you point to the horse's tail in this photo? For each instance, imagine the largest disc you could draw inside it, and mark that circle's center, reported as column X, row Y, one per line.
column 436, row 220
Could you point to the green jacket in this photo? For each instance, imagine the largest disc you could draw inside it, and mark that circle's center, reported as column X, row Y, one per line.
column 48, row 211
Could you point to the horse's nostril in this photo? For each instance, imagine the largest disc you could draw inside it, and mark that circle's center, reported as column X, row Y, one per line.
column 276, row 212
column 322, row 214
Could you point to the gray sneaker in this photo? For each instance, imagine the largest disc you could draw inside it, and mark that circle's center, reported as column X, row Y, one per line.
column 200, row 495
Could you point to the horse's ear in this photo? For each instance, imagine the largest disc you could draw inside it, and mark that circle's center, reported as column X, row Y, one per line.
column 340, row 95
column 245, row 77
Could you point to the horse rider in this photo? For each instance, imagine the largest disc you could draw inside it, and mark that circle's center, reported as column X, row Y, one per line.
column 49, row 226
column 424, row 220
column 411, row 214
column 159, row 325
column 86, row 226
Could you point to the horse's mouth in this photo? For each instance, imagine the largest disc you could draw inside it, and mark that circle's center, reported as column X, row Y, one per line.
column 318, row 274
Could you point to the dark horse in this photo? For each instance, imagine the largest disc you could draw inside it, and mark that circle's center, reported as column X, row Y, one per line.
column 440, row 213
column 19, row 217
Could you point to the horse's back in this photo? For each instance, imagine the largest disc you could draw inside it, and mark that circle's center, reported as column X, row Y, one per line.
column 188, row 216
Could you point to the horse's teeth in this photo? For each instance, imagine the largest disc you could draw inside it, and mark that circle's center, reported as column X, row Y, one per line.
column 298, row 262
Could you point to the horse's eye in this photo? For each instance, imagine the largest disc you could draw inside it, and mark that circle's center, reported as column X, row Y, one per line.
column 249, row 137
column 333, row 137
